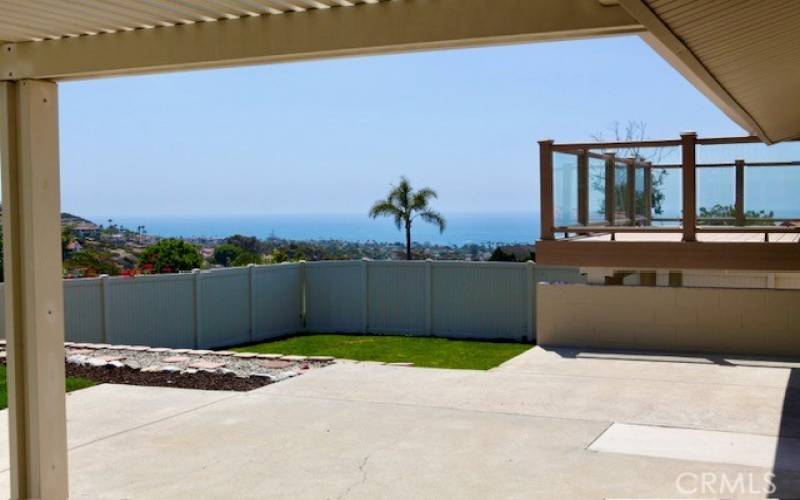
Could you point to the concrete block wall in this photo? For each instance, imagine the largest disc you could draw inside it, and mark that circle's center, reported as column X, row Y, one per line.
column 718, row 320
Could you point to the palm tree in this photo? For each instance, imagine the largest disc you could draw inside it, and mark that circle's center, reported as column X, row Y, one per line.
column 404, row 205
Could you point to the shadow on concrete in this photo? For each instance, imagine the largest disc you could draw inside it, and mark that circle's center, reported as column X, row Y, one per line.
column 677, row 357
column 787, row 453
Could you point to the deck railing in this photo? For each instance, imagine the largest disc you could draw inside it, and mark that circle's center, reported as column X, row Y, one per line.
column 626, row 184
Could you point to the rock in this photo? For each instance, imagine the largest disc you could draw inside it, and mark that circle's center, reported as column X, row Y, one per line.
column 138, row 348
column 189, row 371
column 77, row 359
column 3, row 355
column 132, row 364
column 96, row 362
column 116, row 364
column 159, row 349
column 269, row 356
column 321, row 358
column 224, row 371
column 175, row 359
column 399, row 364
column 276, row 364
column 80, row 351
column 201, row 352
column 245, row 355
column 294, row 358
column 109, row 359
column 225, row 353
column 170, row 369
column 181, row 351
column 151, row 369
column 206, row 365
column 264, row 375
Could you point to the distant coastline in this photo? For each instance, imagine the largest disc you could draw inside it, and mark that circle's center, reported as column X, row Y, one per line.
column 463, row 228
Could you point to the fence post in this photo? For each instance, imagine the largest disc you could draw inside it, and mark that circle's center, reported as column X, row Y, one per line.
column 531, row 303
column 365, row 301
column 197, row 313
column 303, row 295
column 105, row 300
column 429, row 296
column 251, row 268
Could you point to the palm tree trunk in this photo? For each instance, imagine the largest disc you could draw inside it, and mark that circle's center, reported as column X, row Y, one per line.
column 408, row 240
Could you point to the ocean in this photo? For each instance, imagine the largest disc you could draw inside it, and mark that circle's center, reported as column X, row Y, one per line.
column 461, row 229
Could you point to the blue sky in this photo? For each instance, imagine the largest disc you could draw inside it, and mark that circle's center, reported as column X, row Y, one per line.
column 331, row 136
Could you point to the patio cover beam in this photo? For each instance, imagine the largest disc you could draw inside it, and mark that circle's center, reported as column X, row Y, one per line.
column 379, row 28
column 34, row 302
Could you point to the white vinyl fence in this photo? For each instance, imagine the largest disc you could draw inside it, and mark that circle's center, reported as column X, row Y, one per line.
column 223, row 307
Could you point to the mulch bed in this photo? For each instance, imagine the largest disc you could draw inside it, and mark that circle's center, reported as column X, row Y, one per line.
column 200, row 380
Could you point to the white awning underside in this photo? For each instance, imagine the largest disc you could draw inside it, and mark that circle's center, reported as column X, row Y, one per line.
column 37, row 20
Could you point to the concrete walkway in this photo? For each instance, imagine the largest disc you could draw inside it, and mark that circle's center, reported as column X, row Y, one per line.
column 544, row 425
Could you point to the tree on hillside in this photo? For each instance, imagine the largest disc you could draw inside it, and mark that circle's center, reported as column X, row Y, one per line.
column 249, row 244
column 226, row 253
column 634, row 131
column 88, row 263
column 715, row 215
column 403, row 204
column 170, row 256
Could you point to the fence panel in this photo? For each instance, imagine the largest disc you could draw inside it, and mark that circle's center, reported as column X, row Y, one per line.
column 233, row 306
column 83, row 310
column 481, row 300
column 398, row 297
column 152, row 310
column 277, row 300
column 224, row 307
column 335, row 296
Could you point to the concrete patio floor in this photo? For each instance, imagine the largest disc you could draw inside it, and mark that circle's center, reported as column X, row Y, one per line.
column 547, row 424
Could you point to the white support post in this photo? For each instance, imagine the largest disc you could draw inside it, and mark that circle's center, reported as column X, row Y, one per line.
column 198, row 315
column 365, row 302
column 531, row 302
column 251, row 270
column 34, row 297
column 105, row 297
column 429, row 296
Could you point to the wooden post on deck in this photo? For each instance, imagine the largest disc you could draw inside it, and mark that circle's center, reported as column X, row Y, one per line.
column 611, row 202
column 546, row 208
column 630, row 193
column 583, row 188
column 688, row 144
column 740, row 220
column 647, row 171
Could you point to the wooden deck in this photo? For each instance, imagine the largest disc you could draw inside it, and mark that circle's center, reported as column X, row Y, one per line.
column 701, row 237
column 734, row 251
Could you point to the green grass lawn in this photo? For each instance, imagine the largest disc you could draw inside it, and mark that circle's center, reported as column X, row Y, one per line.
column 73, row 384
column 422, row 351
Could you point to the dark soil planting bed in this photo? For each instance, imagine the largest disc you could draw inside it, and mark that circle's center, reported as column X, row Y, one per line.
column 199, row 380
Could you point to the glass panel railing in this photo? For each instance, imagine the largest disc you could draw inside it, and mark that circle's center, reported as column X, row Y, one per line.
column 597, row 191
column 640, row 202
column 565, row 189
column 620, row 194
column 771, row 194
column 716, row 196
